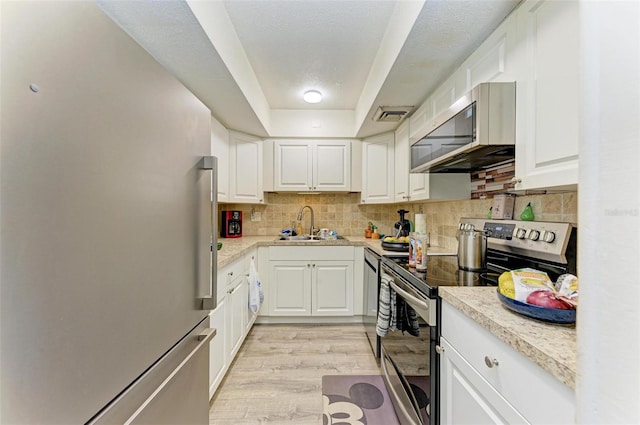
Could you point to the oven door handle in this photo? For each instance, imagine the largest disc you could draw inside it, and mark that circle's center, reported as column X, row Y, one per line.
column 424, row 307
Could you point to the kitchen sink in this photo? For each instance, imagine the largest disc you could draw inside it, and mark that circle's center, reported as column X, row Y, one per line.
column 304, row 238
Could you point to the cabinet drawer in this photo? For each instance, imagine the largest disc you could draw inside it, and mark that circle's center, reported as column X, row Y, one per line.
column 230, row 272
column 534, row 392
column 319, row 253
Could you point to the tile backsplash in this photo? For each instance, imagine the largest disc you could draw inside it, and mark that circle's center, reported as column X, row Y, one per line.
column 343, row 213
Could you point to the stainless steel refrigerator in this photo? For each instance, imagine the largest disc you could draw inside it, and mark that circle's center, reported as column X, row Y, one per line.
column 106, row 213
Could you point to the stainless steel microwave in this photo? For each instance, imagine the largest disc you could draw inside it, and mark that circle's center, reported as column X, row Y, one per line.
column 478, row 130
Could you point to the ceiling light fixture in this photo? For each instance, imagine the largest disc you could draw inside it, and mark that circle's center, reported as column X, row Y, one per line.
column 312, row 96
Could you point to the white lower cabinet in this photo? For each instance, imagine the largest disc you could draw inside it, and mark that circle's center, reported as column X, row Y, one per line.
column 466, row 397
column 311, row 281
column 232, row 318
column 290, row 288
column 485, row 381
column 332, row 288
column 237, row 317
column 217, row 348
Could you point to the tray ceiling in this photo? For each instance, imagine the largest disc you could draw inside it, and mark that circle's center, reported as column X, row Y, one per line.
column 250, row 61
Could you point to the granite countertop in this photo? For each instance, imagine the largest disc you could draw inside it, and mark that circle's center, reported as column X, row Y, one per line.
column 235, row 248
column 552, row 347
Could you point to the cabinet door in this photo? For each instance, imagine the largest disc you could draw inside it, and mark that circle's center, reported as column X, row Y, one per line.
column 332, row 288
column 245, row 169
column 548, row 101
column 220, row 149
column 290, row 288
column 377, row 169
column 466, row 397
column 217, row 351
column 401, row 163
column 237, row 299
column 331, row 165
column 293, row 166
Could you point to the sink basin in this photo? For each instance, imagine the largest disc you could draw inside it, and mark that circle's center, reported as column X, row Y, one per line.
column 303, row 238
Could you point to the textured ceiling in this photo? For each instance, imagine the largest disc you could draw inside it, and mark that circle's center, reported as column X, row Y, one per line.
column 297, row 46
column 289, row 46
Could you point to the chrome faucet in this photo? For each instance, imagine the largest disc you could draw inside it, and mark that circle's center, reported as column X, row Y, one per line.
column 312, row 219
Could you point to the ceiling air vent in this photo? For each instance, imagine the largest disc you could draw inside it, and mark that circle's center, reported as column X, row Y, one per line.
column 391, row 113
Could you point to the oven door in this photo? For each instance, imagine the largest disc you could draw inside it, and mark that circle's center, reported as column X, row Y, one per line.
column 408, row 361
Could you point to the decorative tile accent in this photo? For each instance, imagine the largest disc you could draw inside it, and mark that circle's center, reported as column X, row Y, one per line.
column 495, row 179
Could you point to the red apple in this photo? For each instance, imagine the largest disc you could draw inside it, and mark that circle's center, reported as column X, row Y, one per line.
column 547, row 299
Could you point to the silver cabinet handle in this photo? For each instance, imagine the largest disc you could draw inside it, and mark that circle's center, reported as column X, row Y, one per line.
column 208, row 301
column 490, row 362
column 516, row 180
column 439, row 349
column 204, row 338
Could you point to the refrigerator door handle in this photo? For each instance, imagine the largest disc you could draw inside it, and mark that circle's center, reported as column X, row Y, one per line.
column 204, row 338
column 209, row 300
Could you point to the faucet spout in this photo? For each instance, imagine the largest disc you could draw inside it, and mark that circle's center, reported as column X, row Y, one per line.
column 312, row 218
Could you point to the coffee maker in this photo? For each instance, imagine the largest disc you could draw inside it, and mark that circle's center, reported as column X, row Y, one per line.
column 231, row 224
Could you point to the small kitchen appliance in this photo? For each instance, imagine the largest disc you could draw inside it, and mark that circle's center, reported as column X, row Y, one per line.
column 402, row 227
column 231, row 224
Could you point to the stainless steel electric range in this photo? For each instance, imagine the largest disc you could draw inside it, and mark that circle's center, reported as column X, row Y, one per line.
column 409, row 358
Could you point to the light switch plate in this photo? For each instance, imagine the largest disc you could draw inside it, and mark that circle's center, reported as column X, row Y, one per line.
column 256, row 216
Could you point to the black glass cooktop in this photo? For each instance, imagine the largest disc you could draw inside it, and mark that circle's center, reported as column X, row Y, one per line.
column 442, row 270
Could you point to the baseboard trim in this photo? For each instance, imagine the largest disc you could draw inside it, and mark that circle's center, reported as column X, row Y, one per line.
column 266, row 320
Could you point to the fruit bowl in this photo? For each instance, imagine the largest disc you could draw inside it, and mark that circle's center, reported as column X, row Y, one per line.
column 551, row 315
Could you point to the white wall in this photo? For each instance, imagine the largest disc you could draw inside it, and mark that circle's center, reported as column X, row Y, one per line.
column 312, row 123
column 608, row 381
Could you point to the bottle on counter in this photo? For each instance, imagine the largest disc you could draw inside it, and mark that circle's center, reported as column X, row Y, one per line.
column 422, row 241
column 412, row 248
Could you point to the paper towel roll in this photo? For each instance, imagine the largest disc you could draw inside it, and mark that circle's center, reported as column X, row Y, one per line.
column 421, row 223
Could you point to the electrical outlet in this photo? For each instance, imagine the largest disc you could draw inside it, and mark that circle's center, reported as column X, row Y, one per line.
column 256, row 216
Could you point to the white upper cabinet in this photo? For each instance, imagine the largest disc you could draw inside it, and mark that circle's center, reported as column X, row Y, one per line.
column 245, row 169
column 421, row 186
column 401, row 163
column 548, row 96
column 220, row 149
column 312, row 165
column 378, row 169
column 538, row 47
column 494, row 61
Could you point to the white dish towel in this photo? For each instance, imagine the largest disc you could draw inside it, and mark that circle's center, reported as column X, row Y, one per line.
column 256, row 297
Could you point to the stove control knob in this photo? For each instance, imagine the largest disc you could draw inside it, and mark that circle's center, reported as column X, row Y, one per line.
column 534, row 235
column 521, row 233
column 548, row 236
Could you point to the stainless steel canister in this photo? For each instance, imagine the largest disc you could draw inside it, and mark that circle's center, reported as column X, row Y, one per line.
column 472, row 249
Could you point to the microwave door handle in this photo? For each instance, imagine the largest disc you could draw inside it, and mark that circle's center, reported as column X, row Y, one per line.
column 209, row 299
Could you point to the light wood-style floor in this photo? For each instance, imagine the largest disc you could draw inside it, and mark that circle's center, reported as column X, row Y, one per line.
column 276, row 377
